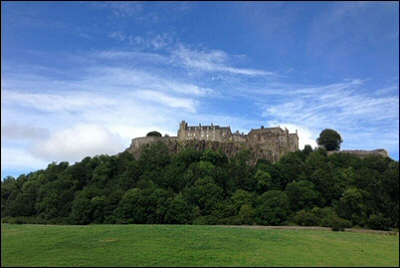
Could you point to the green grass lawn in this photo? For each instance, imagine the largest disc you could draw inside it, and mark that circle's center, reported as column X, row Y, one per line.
column 191, row 245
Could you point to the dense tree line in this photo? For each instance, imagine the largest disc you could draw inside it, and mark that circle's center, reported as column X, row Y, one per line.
column 306, row 187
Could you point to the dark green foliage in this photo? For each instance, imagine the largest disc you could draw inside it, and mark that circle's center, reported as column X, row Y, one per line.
column 339, row 224
column 247, row 214
column 179, row 211
column 205, row 187
column 378, row 222
column 291, row 166
column 302, row 195
column 330, row 140
column 153, row 134
column 306, row 218
column 273, row 208
column 205, row 194
column 353, row 206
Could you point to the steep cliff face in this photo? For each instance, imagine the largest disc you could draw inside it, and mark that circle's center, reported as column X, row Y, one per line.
column 230, row 149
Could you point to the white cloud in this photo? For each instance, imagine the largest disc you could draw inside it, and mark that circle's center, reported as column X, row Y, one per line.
column 55, row 102
column 22, row 132
column 75, row 143
column 211, row 61
column 167, row 100
column 306, row 136
column 120, row 9
column 118, row 35
column 343, row 107
column 19, row 160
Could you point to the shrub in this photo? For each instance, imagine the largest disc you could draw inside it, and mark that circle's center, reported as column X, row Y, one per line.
column 378, row 222
column 206, row 220
column 306, row 218
column 246, row 214
column 110, row 219
column 234, row 221
column 5, row 220
column 16, row 220
column 339, row 224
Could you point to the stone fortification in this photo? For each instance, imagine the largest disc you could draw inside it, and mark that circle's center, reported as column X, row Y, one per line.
column 275, row 139
column 363, row 153
column 138, row 142
column 269, row 143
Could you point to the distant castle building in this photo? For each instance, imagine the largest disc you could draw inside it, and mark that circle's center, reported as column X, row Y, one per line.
column 275, row 138
column 270, row 143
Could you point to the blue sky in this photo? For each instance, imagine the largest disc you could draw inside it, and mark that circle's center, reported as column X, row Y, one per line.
column 84, row 78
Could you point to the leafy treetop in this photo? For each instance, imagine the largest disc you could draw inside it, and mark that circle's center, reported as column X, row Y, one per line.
column 153, row 134
column 330, row 139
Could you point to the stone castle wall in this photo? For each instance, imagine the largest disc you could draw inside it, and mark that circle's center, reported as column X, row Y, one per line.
column 138, row 142
column 363, row 153
column 270, row 143
column 276, row 139
column 208, row 133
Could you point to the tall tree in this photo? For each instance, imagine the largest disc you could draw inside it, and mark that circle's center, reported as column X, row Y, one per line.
column 330, row 139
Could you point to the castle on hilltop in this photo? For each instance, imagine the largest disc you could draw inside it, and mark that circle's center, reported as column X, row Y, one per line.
column 274, row 138
column 270, row 143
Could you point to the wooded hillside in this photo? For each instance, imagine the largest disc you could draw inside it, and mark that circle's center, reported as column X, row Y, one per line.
column 306, row 187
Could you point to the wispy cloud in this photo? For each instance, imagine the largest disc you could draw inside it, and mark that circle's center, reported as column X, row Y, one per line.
column 211, row 61
column 342, row 106
column 167, row 100
column 200, row 59
column 150, row 41
column 120, row 9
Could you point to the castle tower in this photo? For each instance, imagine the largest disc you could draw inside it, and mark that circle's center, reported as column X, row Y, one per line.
column 182, row 130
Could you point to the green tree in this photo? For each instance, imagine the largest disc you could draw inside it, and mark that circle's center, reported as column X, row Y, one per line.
column 205, row 194
column 302, row 195
column 273, row 208
column 291, row 166
column 82, row 209
column 246, row 214
column 153, row 134
column 158, row 201
column 353, row 206
column 330, row 140
column 132, row 208
column 242, row 197
column 306, row 218
column 179, row 211
column 264, row 181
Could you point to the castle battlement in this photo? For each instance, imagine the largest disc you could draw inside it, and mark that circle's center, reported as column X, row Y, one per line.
column 270, row 143
column 363, row 153
column 274, row 138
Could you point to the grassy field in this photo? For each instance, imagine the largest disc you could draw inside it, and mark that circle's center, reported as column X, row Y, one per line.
column 186, row 245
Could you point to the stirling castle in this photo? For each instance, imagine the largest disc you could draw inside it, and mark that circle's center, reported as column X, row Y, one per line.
column 270, row 143
column 276, row 139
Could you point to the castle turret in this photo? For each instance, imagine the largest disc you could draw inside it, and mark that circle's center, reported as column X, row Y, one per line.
column 182, row 130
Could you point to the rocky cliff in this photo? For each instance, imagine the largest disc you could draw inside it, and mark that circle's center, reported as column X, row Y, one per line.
column 230, row 149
